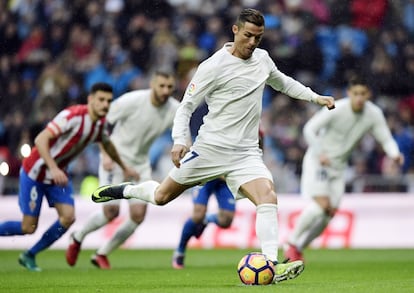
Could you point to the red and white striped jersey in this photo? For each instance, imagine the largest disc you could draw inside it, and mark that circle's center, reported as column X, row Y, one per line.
column 74, row 130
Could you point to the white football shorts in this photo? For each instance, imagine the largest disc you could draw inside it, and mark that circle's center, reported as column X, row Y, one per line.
column 318, row 180
column 116, row 176
column 202, row 164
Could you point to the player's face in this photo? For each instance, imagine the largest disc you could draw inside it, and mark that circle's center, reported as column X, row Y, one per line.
column 358, row 94
column 162, row 88
column 99, row 103
column 246, row 39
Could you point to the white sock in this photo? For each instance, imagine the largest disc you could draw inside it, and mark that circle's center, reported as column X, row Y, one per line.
column 267, row 229
column 126, row 229
column 313, row 231
column 95, row 222
column 308, row 216
column 144, row 191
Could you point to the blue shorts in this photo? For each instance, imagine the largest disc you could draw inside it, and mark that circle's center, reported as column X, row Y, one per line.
column 219, row 188
column 31, row 194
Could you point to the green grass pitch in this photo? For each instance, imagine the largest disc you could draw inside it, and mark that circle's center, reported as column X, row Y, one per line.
column 208, row 271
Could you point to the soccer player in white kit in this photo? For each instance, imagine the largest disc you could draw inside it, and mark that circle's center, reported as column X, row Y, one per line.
column 232, row 82
column 139, row 117
column 331, row 137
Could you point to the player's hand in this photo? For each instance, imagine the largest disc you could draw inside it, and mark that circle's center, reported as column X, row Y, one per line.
column 399, row 160
column 324, row 160
column 178, row 151
column 59, row 177
column 131, row 174
column 327, row 101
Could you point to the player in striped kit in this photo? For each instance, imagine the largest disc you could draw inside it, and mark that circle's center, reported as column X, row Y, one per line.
column 232, row 83
column 43, row 171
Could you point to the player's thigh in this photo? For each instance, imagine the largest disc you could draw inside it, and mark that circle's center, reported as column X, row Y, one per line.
column 56, row 194
column 315, row 179
column 113, row 176
column 259, row 191
column 30, row 196
column 249, row 177
column 200, row 166
column 225, row 198
column 110, row 208
column 338, row 189
column 322, row 182
column 116, row 176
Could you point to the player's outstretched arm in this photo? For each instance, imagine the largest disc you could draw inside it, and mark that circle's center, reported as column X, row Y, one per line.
column 327, row 101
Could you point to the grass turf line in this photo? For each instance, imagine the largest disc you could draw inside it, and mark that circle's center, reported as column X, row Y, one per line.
column 208, row 271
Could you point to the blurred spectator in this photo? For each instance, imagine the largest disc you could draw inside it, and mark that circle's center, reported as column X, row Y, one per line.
column 138, row 41
column 207, row 41
column 340, row 12
column 368, row 14
column 164, row 48
column 381, row 71
column 408, row 15
column 308, row 58
column 52, row 84
column 8, row 34
column 115, row 67
column 347, row 65
column 56, row 39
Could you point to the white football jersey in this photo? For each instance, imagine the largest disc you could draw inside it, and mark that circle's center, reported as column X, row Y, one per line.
column 138, row 123
column 233, row 89
column 336, row 132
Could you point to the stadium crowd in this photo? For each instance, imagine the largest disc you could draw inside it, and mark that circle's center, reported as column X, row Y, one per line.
column 51, row 52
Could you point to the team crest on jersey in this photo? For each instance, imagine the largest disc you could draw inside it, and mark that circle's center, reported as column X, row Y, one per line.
column 191, row 88
column 32, row 205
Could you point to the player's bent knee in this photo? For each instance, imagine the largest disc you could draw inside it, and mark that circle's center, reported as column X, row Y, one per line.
column 160, row 201
column 67, row 221
column 225, row 224
column 225, row 220
column 111, row 213
column 137, row 218
column 29, row 229
column 266, row 199
column 163, row 198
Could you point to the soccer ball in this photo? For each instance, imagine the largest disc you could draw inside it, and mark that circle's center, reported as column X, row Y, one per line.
column 255, row 269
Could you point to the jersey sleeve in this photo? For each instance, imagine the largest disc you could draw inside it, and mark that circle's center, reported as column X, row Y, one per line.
column 311, row 129
column 382, row 134
column 60, row 123
column 199, row 87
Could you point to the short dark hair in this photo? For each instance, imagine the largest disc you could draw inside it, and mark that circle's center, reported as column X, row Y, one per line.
column 250, row 15
column 357, row 80
column 163, row 73
column 101, row 86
